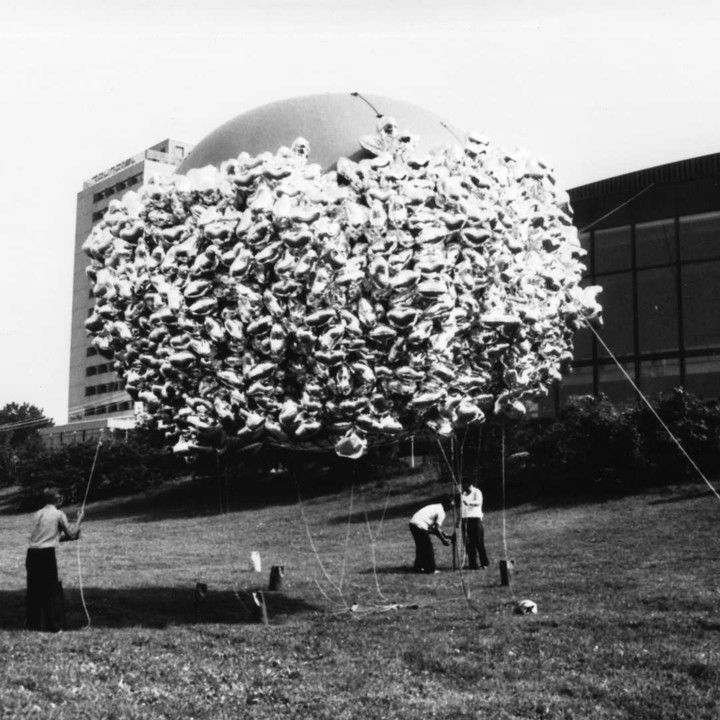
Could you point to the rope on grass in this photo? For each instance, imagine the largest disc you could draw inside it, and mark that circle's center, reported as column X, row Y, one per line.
column 654, row 412
column 504, row 509
column 374, row 537
column 331, row 582
column 82, row 510
column 347, row 536
column 224, row 503
column 463, row 583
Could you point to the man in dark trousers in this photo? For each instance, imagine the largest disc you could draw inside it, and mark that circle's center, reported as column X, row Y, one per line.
column 471, row 513
column 50, row 527
column 426, row 522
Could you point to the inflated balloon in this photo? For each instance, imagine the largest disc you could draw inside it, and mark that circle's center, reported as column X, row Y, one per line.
column 397, row 293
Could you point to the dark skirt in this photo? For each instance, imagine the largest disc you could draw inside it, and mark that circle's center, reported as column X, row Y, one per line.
column 43, row 602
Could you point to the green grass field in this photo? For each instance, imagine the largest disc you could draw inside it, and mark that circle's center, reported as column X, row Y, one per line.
column 628, row 623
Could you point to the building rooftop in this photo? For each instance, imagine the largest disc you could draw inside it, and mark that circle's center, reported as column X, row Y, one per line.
column 680, row 171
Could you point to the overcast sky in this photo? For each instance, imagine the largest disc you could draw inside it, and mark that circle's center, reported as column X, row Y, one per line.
column 595, row 88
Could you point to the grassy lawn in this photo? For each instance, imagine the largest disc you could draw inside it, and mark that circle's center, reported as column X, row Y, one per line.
column 628, row 623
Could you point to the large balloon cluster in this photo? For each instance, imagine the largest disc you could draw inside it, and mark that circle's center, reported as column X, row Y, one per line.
column 396, row 293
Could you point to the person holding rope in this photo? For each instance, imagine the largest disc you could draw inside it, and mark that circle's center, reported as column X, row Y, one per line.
column 426, row 522
column 473, row 532
column 50, row 527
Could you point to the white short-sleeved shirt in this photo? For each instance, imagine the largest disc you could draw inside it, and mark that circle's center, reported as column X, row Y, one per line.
column 471, row 503
column 49, row 524
column 428, row 516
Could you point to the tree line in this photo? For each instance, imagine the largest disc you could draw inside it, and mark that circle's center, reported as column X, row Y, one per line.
column 590, row 447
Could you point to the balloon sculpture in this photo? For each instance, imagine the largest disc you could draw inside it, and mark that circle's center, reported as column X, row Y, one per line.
column 393, row 294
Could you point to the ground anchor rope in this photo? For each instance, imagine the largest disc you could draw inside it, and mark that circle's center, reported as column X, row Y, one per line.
column 82, row 510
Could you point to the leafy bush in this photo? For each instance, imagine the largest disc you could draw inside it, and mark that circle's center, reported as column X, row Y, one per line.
column 121, row 467
column 696, row 425
column 591, row 446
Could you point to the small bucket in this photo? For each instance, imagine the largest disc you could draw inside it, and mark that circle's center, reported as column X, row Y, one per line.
column 276, row 577
column 506, row 571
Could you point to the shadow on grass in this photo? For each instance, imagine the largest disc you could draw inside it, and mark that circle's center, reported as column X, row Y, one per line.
column 394, row 511
column 205, row 496
column 208, row 497
column 682, row 496
column 156, row 607
column 389, row 570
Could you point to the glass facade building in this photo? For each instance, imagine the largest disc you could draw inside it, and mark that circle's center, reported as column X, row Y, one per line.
column 653, row 243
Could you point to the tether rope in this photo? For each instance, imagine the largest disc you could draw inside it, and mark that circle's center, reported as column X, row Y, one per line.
column 653, row 411
column 615, row 209
column 456, row 489
column 347, row 536
column 82, row 511
column 365, row 100
column 331, row 582
column 229, row 537
column 502, row 475
column 504, row 512
column 374, row 537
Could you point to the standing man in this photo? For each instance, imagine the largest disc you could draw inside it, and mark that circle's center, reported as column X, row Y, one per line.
column 50, row 527
column 471, row 513
column 425, row 522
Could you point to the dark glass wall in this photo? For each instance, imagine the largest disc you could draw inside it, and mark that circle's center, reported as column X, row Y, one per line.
column 656, row 253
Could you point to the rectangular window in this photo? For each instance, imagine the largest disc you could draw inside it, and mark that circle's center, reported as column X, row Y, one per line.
column 655, row 243
column 92, row 370
column 700, row 236
column 586, row 259
column 701, row 318
column 617, row 302
column 702, row 376
column 657, row 310
column 613, row 383
column 91, row 352
column 90, row 390
column 612, row 249
column 583, row 344
column 577, row 382
column 657, row 376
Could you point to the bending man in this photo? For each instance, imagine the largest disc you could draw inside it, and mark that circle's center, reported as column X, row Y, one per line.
column 426, row 522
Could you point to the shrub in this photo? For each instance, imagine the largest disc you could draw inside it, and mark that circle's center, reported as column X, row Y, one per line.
column 121, row 467
column 696, row 425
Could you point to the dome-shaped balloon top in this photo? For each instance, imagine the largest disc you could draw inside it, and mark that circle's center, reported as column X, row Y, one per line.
column 332, row 123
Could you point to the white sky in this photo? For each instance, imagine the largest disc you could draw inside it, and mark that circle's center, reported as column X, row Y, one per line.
column 595, row 88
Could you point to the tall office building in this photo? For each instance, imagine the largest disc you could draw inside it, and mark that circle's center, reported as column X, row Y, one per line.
column 95, row 391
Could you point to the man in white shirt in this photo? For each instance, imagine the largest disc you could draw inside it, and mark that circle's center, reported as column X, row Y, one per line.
column 50, row 527
column 425, row 522
column 473, row 532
